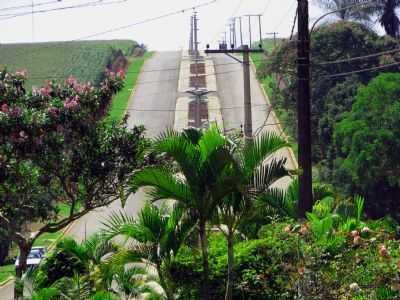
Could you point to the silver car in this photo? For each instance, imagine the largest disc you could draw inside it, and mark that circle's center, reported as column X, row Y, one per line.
column 34, row 257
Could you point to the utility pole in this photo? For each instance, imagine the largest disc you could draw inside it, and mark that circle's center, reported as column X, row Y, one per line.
column 196, row 43
column 245, row 51
column 248, row 122
column 241, row 33
column 249, row 30
column 259, row 27
column 274, row 34
column 303, row 110
column 191, row 36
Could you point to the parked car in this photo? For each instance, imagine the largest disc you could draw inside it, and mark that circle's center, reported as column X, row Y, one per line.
column 34, row 257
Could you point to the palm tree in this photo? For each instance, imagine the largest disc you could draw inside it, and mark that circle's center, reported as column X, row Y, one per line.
column 388, row 17
column 345, row 12
column 255, row 169
column 202, row 159
column 156, row 238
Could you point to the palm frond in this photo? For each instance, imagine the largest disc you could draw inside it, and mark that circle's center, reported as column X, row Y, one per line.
column 211, row 141
column 119, row 223
column 163, row 185
column 256, row 152
column 269, row 173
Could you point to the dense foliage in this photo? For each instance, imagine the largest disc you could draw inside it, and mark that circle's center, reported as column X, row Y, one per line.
column 367, row 141
column 289, row 260
column 85, row 60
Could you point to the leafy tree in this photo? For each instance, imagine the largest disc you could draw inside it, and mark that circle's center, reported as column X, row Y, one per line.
column 202, row 159
column 329, row 43
column 368, row 140
column 54, row 149
column 156, row 238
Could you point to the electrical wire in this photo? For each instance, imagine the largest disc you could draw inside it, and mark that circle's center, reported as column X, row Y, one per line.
column 358, row 57
column 29, row 5
column 83, row 5
column 119, row 28
column 362, row 70
column 37, row 76
column 283, row 18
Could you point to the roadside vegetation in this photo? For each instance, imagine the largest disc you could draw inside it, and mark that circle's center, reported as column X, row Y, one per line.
column 119, row 104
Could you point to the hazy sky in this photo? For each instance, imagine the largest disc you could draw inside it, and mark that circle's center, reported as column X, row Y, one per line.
column 164, row 34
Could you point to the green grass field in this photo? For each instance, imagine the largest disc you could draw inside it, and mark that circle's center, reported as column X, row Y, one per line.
column 84, row 60
column 6, row 272
column 120, row 101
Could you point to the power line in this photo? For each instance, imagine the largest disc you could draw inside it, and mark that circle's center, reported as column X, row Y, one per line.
column 177, row 12
column 29, row 5
column 357, row 57
column 83, row 5
column 139, row 72
column 266, row 7
column 166, row 80
column 284, row 16
column 362, row 70
column 184, row 110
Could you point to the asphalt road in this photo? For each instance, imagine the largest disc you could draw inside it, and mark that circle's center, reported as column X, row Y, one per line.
column 152, row 105
column 231, row 94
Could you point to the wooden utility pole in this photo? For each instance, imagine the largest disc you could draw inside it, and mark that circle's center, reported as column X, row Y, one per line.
column 248, row 122
column 303, row 110
column 274, row 34
column 245, row 51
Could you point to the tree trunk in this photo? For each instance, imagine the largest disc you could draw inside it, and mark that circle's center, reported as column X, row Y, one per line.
column 19, row 270
column 204, row 290
column 5, row 243
column 231, row 261
column 164, row 284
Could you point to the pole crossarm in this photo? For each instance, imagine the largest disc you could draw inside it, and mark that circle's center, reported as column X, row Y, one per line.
column 210, row 51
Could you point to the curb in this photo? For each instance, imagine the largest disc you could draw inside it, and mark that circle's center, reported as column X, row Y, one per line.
column 134, row 88
column 276, row 120
column 5, row 282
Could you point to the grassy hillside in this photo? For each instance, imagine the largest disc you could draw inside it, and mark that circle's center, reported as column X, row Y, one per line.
column 84, row 60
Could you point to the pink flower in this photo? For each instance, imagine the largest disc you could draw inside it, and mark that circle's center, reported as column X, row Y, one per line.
column 21, row 73
column 71, row 81
column 354, row 233
column 357, row 240
column 4, row 108
column 71, row 103
column 121, row 74
column 23, row 135
column 365, row 230
column 383, row 251
column 16, row 112
column 45, row 91
column 53, row 111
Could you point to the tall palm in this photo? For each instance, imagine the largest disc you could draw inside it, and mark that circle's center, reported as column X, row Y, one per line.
column 388, row 17
column 255, row 168
column 345, row 12
column 155, row 237
column 202, row 159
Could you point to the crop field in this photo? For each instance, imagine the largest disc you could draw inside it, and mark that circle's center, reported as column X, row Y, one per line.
column 84, row 60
